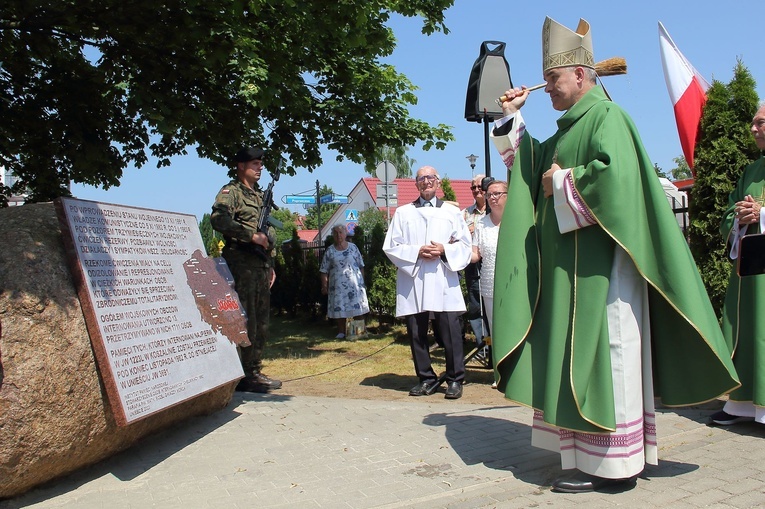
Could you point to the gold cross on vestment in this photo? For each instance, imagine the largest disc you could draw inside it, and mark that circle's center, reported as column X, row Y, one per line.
column 761, row 199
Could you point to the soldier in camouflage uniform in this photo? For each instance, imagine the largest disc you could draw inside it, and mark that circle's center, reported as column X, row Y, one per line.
column 248, row 253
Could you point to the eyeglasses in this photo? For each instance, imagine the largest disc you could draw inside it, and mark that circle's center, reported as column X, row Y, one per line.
column 427, row 178
column 473, row 188
column 493, row 196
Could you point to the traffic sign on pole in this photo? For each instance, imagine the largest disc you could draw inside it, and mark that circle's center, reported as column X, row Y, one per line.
column 297, row 198
column 386, row 172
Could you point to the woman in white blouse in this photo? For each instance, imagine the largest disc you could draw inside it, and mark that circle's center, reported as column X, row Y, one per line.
column 485, row 244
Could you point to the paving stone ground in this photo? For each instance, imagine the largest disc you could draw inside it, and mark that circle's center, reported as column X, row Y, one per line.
column 272, row 451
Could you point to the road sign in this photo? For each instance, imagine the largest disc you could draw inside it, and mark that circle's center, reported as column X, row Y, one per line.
column 387, row 195
column 386, row 172
column 351, row 215
column 333, row 198
column 297, row 198
column 350, row 227
column 389, row 190
column 381, row 202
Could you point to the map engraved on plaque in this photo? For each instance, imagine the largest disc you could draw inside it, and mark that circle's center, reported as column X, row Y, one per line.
column 218, row 304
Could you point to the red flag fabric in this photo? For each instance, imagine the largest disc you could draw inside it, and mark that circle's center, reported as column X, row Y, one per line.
column 687, row 90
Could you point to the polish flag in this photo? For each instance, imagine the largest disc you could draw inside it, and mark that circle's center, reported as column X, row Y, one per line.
column 687, row 90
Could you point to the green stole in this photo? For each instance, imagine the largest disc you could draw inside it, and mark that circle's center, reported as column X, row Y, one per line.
column 551, row 344
column 743, row 321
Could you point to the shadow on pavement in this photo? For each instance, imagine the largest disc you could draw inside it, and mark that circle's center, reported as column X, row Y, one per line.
column 497, row 443
column 140, row 457
column 503, row 444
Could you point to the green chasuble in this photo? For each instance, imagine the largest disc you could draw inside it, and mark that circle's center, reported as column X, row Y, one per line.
column 550, row 336
column 743, row 317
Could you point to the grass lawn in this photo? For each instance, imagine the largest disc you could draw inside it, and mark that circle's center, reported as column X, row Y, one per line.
column 301, row 348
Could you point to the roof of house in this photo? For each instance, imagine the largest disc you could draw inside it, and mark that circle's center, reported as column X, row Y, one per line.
column 300, row 222
column 307, row 235
column 684, row 184
column 407, row 191
column 364, row 195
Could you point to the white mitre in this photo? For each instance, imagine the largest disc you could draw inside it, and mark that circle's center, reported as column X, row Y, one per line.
column 562, row 47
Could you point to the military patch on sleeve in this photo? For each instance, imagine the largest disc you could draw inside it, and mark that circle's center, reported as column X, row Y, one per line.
column 224, row 191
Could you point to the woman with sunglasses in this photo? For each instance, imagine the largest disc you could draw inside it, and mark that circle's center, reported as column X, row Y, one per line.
column 485, row 244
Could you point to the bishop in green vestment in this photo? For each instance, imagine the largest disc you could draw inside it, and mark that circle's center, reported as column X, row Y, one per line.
column 601, row 302
column 743, row 320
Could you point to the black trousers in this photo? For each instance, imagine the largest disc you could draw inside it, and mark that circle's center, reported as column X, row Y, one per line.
column 450, row 331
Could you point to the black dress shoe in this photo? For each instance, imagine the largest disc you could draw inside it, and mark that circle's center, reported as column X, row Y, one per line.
column 265, row 381
column 425, row 388
column 250, row 385
column 453, row 390
column 585, row 483
column 722, row 418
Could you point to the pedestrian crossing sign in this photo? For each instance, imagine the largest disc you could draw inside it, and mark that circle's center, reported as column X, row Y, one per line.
column 352, row 215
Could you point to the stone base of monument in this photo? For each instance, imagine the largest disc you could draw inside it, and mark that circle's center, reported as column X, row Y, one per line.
column 55, row 416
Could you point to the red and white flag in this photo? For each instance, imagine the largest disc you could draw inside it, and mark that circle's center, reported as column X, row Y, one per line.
column 687, row 90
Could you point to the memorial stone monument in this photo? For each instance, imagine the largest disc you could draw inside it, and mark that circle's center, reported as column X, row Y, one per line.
column 152, row 344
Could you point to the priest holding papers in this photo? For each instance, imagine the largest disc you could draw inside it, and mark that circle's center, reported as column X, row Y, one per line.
column 429, row 243
column 598, row 304
column 742, row 325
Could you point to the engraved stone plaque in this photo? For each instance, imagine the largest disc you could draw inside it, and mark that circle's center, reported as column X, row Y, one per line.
column 163, row 320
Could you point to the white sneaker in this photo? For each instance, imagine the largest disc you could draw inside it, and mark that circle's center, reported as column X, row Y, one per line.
column 340, row 336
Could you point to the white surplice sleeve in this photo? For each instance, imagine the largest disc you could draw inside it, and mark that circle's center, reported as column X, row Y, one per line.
column 570, row 210
column 399, row 246
column 460, row 244
column 509, row 140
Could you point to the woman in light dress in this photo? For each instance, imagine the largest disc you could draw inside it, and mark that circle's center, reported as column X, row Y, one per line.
column 342, row 280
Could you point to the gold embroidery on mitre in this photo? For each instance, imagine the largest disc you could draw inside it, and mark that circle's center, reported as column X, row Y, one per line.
column 562, row 47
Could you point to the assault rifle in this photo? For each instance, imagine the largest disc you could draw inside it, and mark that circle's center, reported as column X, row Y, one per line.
column 265, row 213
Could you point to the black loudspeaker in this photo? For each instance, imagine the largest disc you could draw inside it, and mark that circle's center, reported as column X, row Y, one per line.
column 489, row 79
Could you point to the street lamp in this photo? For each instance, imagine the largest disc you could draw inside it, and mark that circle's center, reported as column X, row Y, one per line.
column 472, row 158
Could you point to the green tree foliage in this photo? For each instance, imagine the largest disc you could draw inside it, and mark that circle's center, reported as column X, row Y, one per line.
column 381, row 295
column 380, row 275
column 446, row 187
column 210, row 237
column 278, row 291
column 659, row 171
column 370, row 218
column 288, row 220
column 88, row 88
column 682, row 171
column 396, row 156
column 724, row 148
column 359, row 239
column 290, row 280
column 312, row 214
column 309, row 295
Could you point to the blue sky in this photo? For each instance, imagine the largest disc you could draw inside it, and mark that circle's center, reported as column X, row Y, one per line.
column 711, row 35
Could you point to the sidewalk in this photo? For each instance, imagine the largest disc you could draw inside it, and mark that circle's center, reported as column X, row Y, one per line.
column 271, row 451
